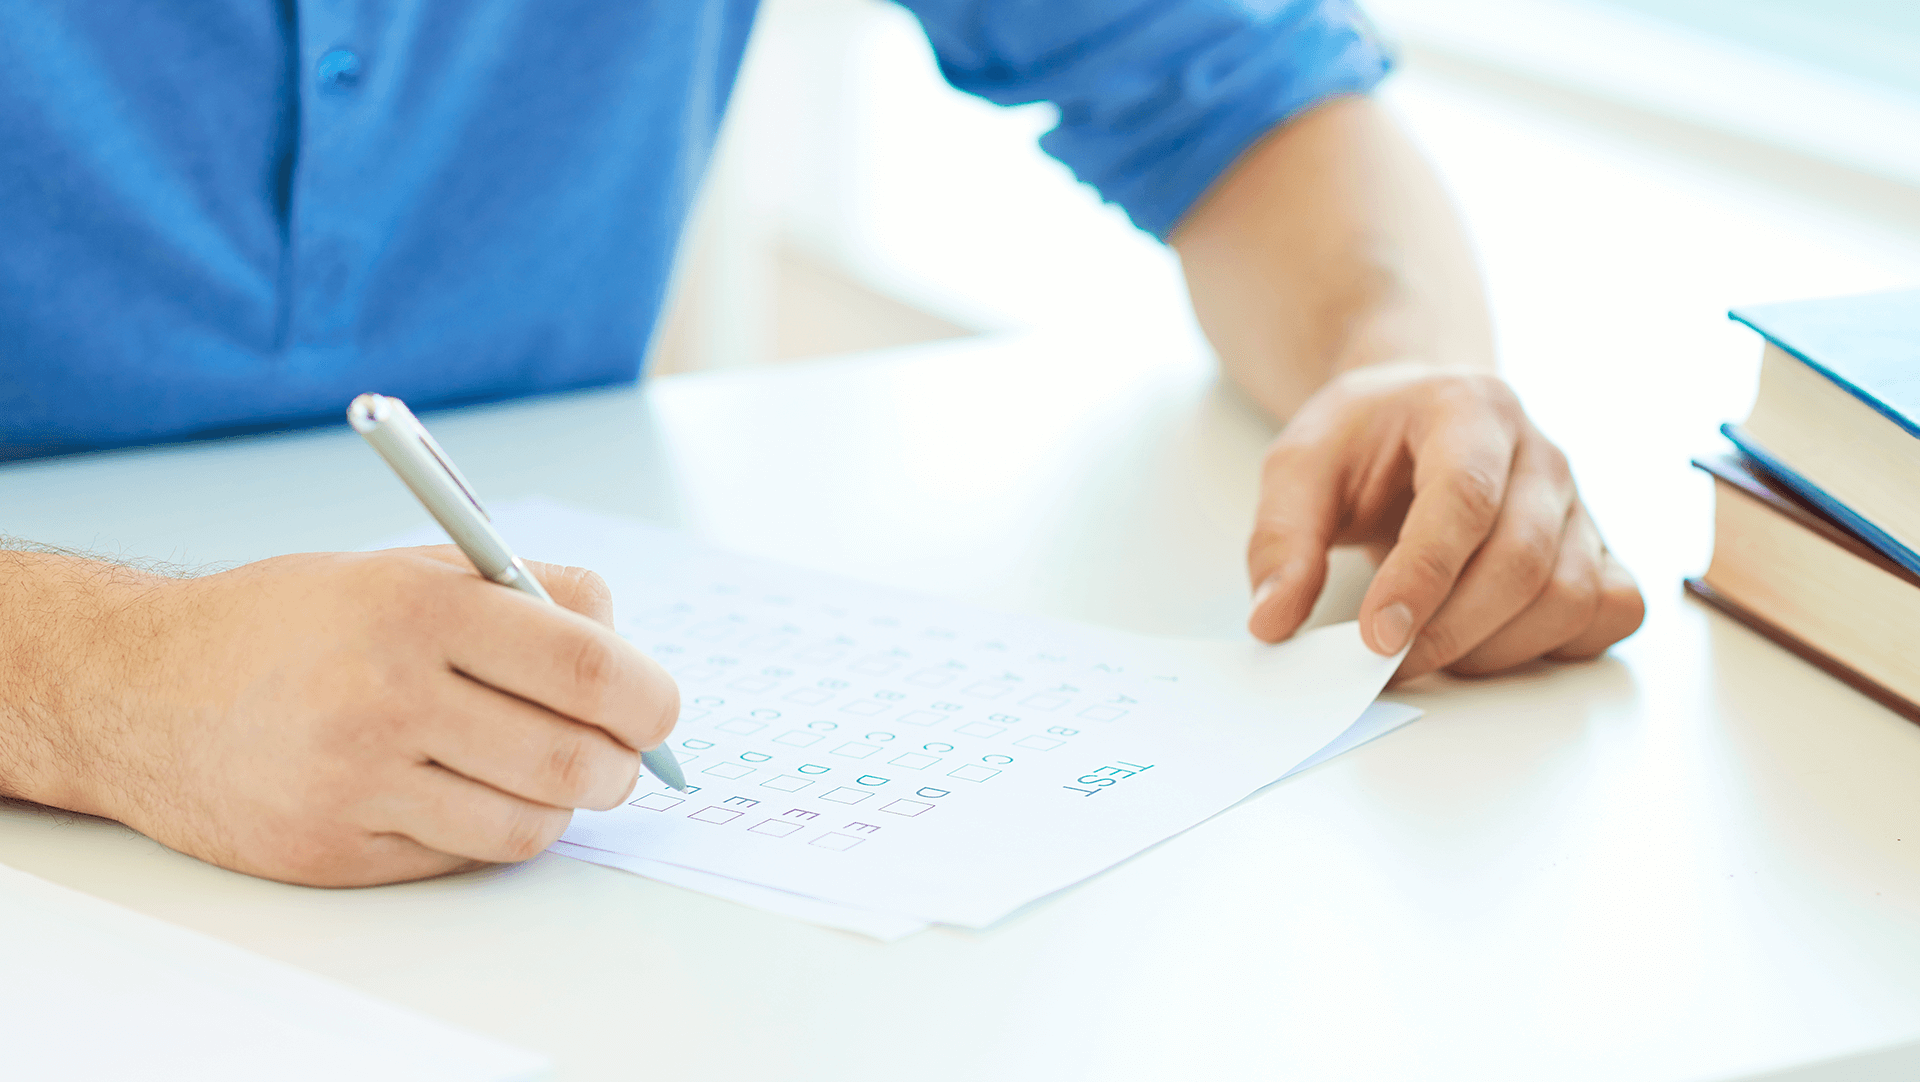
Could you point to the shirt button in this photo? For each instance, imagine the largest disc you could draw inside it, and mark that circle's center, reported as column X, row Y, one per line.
column 339, row 69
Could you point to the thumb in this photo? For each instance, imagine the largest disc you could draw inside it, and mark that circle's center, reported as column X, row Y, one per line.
column 576, row 588
column 1292, row 530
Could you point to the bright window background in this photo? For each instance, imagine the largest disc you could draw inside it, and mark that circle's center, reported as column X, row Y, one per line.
column 1875, row 41
column 860, row 202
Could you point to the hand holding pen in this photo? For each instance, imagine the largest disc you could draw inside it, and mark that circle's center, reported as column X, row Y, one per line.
column 404, row 442
column 341, row 718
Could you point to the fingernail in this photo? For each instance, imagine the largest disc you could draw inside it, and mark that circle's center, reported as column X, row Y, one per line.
column 1391, row 628
column 1265, row 591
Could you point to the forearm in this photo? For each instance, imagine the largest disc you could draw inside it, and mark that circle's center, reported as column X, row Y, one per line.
column 1330, row 246
column 74, row 638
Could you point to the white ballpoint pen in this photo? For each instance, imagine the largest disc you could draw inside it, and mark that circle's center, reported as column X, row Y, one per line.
column 399, row 437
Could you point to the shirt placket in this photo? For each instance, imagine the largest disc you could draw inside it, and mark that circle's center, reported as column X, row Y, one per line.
column 328, row 235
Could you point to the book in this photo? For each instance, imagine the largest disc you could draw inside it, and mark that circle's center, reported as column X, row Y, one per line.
column 1790, row 572
column 1837, row 419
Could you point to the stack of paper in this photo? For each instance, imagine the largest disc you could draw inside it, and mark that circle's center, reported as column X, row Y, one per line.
column 874, row 760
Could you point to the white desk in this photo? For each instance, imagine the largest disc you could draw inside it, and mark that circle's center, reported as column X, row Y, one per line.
column 1697, row 859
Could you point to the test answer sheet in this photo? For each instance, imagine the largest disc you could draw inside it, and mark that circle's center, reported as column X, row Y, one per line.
column 924, row 760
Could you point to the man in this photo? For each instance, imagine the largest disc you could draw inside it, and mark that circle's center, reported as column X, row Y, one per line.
column 230, row 215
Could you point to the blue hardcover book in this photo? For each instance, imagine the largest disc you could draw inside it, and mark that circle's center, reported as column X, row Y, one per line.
column 1837, row 419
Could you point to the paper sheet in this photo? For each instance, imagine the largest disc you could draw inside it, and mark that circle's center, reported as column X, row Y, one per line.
column 885, row 927
column 1378, row 720
column 93, row 991
column 896, row 754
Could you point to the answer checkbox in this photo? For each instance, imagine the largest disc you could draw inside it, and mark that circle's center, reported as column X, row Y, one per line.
column 878, row 665
column 844, row 795
column 932, row 678
column 655, row 802
column 1103, row 713
column 989, row 689
column 856, row 750
column 839, row 843
column 715, row 814
column 799, row 738
column 809, row 696
column 728, row 770
column 865, row 707
column 1038, row 743
column 774, row 828
column 914, row 760
column 741, row 726
column 973, row 773
column 922, row 717
column 906, row 807
column 786, row 783
column 1045, row 700
column 754, row 683
column 980, row 729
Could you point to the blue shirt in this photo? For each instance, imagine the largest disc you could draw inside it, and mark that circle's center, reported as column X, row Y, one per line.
column 230, row 214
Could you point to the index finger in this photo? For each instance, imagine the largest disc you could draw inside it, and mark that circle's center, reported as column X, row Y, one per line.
column 1459, row 483
column 1292, row 530
column 561, row 660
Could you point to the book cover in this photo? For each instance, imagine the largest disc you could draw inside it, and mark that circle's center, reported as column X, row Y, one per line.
column 1791, row 479
column 1869, row 345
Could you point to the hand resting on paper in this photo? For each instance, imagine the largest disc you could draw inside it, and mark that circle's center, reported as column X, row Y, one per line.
column 1336, row 283
column 331, row 719
column 1491, row 560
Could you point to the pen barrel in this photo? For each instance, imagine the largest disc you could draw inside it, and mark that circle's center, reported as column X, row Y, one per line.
column 391, row 429
column 521, row 579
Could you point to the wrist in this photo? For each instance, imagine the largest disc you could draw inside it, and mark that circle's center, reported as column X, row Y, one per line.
column 80, row 645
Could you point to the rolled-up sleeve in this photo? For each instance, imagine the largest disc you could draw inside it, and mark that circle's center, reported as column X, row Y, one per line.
column 1156, row 98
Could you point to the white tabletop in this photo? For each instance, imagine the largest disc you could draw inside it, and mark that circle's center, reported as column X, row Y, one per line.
column 1685, row 861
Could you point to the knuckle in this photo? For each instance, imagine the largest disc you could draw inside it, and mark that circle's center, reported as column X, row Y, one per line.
column 595, row 663
column 1493, row 391
column 571, row 768
column 1270, row 537
column 1441, row 643
column 528, row 832
column 1430, row 568
column 1475, row 490
column 1529, row 562
column 1578, row 595
column 1286, row 451
column 1554, row 462
column 1287, row 460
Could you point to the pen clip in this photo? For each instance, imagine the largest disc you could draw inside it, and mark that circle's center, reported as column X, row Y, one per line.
column 426, row 440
